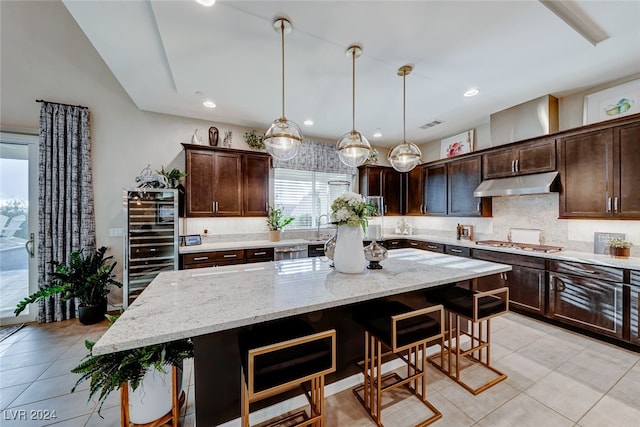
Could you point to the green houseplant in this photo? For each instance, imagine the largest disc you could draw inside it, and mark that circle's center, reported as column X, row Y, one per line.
column 109, row 372
column 87, row 277
column 254, row 141
column 276, row 221
column 619, row 247
column 173, row 176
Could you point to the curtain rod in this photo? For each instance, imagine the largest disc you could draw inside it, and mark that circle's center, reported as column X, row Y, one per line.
column 60, row 103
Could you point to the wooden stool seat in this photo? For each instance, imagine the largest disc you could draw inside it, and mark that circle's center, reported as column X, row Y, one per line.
column 405, row 332
column 477, row 308
column 282, row 355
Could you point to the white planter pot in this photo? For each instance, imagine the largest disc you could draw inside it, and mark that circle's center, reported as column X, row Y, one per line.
column 348, row 256
column 152, row 399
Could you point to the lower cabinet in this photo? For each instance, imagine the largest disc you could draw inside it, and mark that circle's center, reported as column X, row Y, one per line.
column 316, row 250
column 211, row 259
column 526, row 280
column 634, row 308
column 583, row 296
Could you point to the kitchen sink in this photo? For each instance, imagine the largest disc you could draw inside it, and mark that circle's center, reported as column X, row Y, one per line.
column 317, row 239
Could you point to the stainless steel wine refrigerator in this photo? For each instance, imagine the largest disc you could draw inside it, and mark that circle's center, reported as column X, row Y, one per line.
column 150, row 237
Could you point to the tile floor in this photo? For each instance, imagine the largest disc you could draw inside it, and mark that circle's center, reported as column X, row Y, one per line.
column 556, row 378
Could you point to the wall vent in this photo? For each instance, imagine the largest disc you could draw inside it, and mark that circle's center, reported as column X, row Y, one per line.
column 431, row 124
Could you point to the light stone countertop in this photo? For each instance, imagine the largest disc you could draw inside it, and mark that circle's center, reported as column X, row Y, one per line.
column 188, row 303
column 247, row 244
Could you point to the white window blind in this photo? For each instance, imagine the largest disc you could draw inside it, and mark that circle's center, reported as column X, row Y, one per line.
column 305, row 195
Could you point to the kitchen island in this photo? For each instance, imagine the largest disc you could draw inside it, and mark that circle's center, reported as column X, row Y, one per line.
column 211, row 304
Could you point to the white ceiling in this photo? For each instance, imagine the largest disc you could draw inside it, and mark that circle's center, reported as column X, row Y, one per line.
column 163, row 52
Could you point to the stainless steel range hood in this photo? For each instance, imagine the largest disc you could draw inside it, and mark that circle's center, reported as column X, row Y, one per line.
column 517, row 185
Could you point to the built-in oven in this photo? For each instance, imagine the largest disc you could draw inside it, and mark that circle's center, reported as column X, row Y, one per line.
column 290, row 252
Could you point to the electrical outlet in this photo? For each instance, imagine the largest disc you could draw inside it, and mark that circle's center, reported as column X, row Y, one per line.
column 116, row 232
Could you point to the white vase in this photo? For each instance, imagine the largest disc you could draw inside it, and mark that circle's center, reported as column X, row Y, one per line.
column 348, row 256
column 152, row 399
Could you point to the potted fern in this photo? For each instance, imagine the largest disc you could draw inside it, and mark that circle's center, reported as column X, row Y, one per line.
column 87, row 277
column 276, row 221
column 146, row 371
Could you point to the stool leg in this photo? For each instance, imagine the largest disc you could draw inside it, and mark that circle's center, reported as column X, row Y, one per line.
column 244, row 402
column 124, row 405
column 378, row 381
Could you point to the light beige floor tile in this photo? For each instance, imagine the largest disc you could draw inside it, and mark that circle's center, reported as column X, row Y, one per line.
column 189, row 407
column 522, row 371
column 516, row 336
column 532, row 323
column 74, row 422
column 48, row 388
column 611, row 412
column 598, row 372
column 27, row 359
column 451, row 415
column 111, row 418
column 31, row 349
column 614, row 353
column 499, row 351
column 23, row 375
column 62, row 367
column 66, row 407
column 477, row 407
column 190, row 421
column 551, row 351
column 9, row 394
column 523, row 411
column 627, row 390
column 343, row 409
column 565, row 395
column 580, row 340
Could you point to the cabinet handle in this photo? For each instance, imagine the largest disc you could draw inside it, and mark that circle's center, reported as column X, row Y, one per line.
column 503, row 276
column 259, row 253
column 513, row 166
column 320, row 250
column 608, row 204
column 200, row 258
column 479, row 206
column 456, row 251
column 385, row 208
column 615, row 205
column 413, row 243
column 432, row 246
column 213, row 206
column 517, row 165
column 230, row 256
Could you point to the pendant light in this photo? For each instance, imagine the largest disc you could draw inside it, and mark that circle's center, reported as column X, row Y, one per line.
column 283, row 139
column 406, row 155
column 353, row 148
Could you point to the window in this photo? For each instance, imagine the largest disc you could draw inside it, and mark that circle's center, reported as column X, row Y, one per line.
column 307, row 195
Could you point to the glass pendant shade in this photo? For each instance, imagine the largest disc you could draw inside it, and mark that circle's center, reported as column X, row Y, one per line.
column 353, row 148
column 283, row 139
column 404, row 157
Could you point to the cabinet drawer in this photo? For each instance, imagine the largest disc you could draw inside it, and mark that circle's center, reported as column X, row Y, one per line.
column 587, row 270
column 259, row 254
column 210, row 257
column 513, row 259
column 316, row 250
column 416, row 244
column 392, row 244
column 434, row 247
column 635, row 278
column 458, row 250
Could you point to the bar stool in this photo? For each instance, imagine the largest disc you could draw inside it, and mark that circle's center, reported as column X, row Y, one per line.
column 280, row 356
column 405, row 333
column 477, row 308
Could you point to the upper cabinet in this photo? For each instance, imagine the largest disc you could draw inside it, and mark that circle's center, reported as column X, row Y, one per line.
column 413, row 191
column 599, row 173
column 524, row 158
column 225, row 182
column 448, row 188
column 386, row 182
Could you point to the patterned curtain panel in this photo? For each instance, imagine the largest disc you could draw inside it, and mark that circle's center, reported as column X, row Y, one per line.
column 316, row 157
column 65, row 197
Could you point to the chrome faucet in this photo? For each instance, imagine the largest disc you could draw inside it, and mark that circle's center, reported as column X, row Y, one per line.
column 319, row 223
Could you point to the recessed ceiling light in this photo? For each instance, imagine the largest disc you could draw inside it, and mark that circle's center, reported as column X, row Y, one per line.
column 377, row 135
column 209, row 104
column 471, row 92
column 308, row 122
column 206, row 2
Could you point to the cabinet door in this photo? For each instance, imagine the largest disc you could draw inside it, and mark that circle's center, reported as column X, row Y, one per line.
column 586, row 173
column 464, row 176
column 255, row 185
column 227, row 184
column 634, row 308
column 200, row 178
column 392, row 192
column 537, row 157
column 499, row 163
column 526, row 288
column 371, row 180
column 592, row 304
column 627, row 177
column 435, row 187
column 413, row 192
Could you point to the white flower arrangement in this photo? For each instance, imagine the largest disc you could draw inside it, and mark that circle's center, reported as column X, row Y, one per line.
column 351, row 209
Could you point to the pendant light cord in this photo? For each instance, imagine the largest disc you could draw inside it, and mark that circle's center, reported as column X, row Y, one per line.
column 353, row 90
column 282, row 44
column 404, row 107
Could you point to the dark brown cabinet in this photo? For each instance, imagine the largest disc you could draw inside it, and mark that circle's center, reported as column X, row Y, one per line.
column 524, row 158
column 414, row 192
column 386, row 182
column 211, row 259
column 586, row 296
column 526, row 281
column 634, row 308
column 600, row 174
column 435, row 190
column 463, row 177
column 223, row 182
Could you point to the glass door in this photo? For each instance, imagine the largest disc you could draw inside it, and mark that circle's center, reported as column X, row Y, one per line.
column 18, row 222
